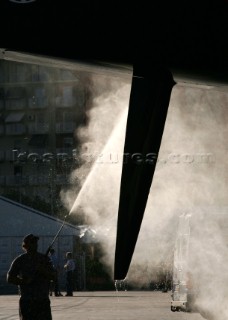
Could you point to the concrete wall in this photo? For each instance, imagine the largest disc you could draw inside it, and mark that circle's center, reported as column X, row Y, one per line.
column 16, row 221
column 19, row 220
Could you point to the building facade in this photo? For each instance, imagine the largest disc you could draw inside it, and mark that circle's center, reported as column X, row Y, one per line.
column 17, row 220
column 41, row 107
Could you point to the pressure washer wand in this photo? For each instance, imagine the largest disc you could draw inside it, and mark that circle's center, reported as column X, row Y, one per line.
column 56, row 236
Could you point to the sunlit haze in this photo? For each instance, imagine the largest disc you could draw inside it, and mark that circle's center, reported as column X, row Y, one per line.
column 191, row 177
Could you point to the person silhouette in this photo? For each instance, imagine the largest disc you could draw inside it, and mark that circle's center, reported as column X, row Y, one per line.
column 32, row 272
column 69, row 268
column 54, row 285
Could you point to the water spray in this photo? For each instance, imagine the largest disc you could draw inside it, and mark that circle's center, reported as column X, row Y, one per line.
column 57, row 234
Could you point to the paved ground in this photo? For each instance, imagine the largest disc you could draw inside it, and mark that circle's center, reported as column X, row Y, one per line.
column 105, row 305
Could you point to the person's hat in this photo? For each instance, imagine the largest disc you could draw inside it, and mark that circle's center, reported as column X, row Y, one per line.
column 30, row 238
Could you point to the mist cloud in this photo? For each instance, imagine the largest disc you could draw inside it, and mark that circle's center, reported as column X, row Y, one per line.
column 191, row 176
